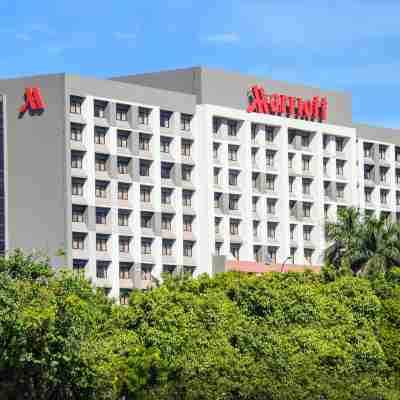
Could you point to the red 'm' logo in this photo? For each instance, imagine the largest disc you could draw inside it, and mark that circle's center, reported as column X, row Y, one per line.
column 33, row 101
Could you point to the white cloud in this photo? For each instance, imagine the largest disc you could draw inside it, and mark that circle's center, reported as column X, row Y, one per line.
column 124, row 35
column 223, row 37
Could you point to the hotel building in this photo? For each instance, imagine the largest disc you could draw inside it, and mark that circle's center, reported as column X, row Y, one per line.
column 128, row 177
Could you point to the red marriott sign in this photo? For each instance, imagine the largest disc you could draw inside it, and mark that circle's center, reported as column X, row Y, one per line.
column 33, row 101
column 287, row 106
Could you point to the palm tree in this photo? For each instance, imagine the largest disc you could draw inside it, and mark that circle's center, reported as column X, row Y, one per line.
column 343, row 235
column 370, row 245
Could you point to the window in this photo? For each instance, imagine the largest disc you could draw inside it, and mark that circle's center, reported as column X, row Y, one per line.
column 382, row 152
column 101, row 216
column 308, row 255
column 77, row 187
column 397, row 154
column 307, row 210
column 306, row 186
column 233, row 178
column 325, row 165
column 233, row 153
column 76, row 132
column 76, row 160
column 326, row 211
column 101, row 243
column 216, row 176
column 165, row 145
column 269, row 134
column 100, row 135
column 188, row 249
column 215, row 150
column 339, row 167
column 397, row 198
column 218, row 249
column 383, row 174
column 305, row 164
column 101, row 189
column 327, row 189
column 233, row 202
column 368, row 150
column 75, row 104
column 384, row 196
column 101, row 270
column 123, row 139
column 167, row 247
column 305, row 140
column 293, row 208
column 217, row 225
column 144, row 116
column 291, row 137
column 187, row 223
column 100, row 108
column 217, row 200
column 124, row 270
column 146, row 246
column 272, row 254
column 166, row 222
column 255, row 202
column 165, row 118
column 292, row 232
column 325, row 141
column 145, row 193
column 78, row 241
column 187, row 198
column 270, row 182
column 100, row 163
column 166, row 196
column 146, row 272
column 368, row 172
column 144, row 168
column 124, row 297
column 290, row 160
column 123, row 191
column 78, row 214
column 271, row 231
column 307, row 232
column 78, row 267
column 124, row 244
column 123, row 166
column 166, row 169
column 146, row 220
column 235, row 251
column 234, row 227
column 185, row 122
column 254, row 129
column 254, row 152
column 292, row 180
column 122, row 112
column 368, row 195
column 144, row 142
column 254, row 179
column 292, row 255
column 339, row 144
column 186, row 173
column 397, row 176
column 123, row 218
column 232, row 128
column 340, row 191
column 271, row 206
column 269, row 155
column 186, row 148
column 256, row 225
column 216, row 124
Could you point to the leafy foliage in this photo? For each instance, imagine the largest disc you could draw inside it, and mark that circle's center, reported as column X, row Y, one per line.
column 279, row 336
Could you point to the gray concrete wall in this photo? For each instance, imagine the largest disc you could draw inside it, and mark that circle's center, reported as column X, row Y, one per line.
column 229, row 89
column 168, row 100
column 368, row 132
column 36, row 165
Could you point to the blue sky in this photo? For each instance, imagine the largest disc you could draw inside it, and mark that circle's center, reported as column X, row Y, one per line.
column 351, row 45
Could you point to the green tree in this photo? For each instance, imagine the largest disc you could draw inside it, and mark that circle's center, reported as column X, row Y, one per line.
column 368, row 246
